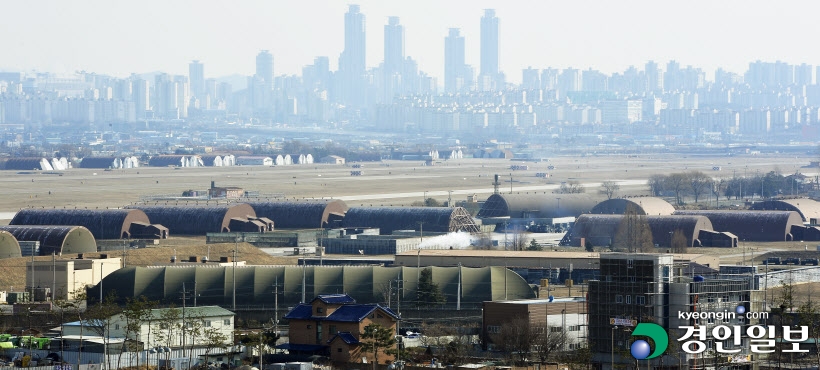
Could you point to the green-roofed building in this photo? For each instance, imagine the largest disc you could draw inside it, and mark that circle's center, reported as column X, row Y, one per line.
column 255, row 285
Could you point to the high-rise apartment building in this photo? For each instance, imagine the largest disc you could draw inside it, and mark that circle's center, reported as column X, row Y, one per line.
column 530, row 79
column 140, row 95
column 264, row 68
column 393, row 45
column 458, row 76
column 654, row 77
column 490, row 77
column 196, row 75
column 350, row 80
column 394, row 78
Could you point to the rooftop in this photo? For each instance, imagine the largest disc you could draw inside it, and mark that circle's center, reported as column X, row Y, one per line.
column 544, row 300
column 525, row 254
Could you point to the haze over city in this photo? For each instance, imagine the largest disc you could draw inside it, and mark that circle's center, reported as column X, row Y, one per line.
column 119, row 38
column 425, row 184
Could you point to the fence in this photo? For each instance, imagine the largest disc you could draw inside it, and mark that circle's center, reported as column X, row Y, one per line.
column 97, row 361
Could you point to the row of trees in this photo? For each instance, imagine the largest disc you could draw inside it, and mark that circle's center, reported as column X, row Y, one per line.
column 697, row 185
column 174, row 327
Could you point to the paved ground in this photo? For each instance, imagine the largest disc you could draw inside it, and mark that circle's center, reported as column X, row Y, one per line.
column 388, row 183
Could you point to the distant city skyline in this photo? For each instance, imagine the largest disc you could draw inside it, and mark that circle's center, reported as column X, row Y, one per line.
column 146, row 36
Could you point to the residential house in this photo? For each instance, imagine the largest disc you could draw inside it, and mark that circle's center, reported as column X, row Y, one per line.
column 332, row 325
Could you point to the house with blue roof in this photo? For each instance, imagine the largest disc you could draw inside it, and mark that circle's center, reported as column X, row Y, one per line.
column 331, row 325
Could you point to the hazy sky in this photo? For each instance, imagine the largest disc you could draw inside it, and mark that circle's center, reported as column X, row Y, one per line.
column 120, row 37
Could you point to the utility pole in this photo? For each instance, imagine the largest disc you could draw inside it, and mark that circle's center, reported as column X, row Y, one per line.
column 421, row 229
column 233, row 291
column 458, row 290
column 31, row 284
column 276, row 308
column 184, row 327
column 304, row 281
column 53, row 276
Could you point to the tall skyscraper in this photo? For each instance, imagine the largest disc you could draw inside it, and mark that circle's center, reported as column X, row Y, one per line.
column 352, row 68
column 140, row 94
column 654, row 77
column 489, row 43
column 490, row 77
column 264, row 67
column 393, row 45
column 196, row 76
column 457, row 75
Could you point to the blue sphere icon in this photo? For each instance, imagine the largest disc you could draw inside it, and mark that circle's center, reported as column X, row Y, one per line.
column 740, row 310
column 640, row 349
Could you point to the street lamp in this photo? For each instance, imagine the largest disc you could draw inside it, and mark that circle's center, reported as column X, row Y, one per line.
column 612, row 348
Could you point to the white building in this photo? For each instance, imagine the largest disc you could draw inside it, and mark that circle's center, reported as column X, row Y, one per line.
column 66, row 277
column 203, row 318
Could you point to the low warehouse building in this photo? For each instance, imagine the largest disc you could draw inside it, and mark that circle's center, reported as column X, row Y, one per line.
column 760, row 226
column 389, row 219
column 370, row 244
column 642, row 205
column 103, row 223
column 254, row 284
column 55, row 239
column 200, row 220
column 304, row 214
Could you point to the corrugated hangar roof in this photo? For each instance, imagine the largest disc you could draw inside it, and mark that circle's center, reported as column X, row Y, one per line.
column 196, row 220
column 301, row 214
column 103, row 223
column 9, row 247
column 601, row 229
column 389, row 219
column 763, row 226
column 254, row 283
column 537, row 205
column 807, row 208
column 56, row 239
column 644, row 205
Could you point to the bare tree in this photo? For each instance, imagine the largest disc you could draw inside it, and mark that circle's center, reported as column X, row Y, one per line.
column 548, row 341
column 808, row 314
column 677, row 183
column 699, row 183
column 656, row 184
column 516, row 339
column 633, row 234
column 571, row 187
column 717, row 187
column 678, row 242
column 454, row 341
column 609, row 188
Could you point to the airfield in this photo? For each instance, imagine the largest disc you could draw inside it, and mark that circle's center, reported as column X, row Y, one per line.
column 381, row 183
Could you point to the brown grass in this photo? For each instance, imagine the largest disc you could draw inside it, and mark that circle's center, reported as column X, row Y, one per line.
column 13, row 270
